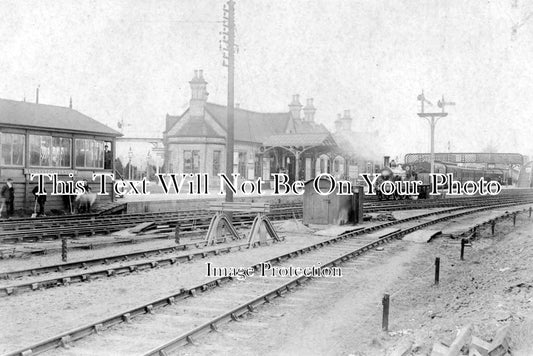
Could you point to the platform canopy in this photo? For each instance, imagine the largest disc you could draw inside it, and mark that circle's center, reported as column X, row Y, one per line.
column 301, row 141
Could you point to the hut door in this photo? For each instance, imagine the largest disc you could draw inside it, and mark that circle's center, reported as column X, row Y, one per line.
column 323, row 209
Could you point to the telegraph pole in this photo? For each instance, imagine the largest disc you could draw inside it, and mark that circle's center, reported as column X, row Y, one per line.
column 229, row 61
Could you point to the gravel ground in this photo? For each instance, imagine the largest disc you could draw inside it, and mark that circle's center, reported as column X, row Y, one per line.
column 492, row 287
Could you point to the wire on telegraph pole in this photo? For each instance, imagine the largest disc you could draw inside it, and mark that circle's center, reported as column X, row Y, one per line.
column 229, row 61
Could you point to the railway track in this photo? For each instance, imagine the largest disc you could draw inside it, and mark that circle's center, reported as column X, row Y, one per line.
column 159, row 257
column 24, row 230
column 74, row 220
column 136, row 218
column 391, row 205
column 179, row 311
column 191, row 230
column 162, row 222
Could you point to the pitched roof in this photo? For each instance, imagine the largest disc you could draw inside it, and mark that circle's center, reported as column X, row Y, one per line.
column 302, row 126
column 171, row 121
column 251, row 126
column 197, row 127
column 301, row 140
column 20, row 113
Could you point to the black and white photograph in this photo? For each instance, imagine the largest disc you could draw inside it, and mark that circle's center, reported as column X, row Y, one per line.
column 266, row 177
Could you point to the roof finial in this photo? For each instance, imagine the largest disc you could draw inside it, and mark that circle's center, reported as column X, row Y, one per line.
column 70, row 104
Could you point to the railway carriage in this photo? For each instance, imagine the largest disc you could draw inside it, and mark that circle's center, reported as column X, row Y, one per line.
column 461, row 174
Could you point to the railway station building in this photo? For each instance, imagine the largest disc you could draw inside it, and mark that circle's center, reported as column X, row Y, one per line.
column 265, row 143
column 39, row 138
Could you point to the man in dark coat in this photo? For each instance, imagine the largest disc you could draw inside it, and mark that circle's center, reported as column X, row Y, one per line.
column 8, row 197
column 40, row 198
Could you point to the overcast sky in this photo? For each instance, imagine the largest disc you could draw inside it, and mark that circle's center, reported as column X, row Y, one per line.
column 133, row 59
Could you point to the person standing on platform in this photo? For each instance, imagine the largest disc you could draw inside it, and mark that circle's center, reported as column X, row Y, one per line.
column 40, row 199
column 8, row 198
column 86, row 186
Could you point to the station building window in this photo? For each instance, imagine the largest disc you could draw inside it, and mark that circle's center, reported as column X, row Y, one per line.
column 89, row 153
column 48, row 151
column 242, row 164
column 216, row 162
column 12, row 146
column 191, row 161
column 257, row 165
column 323, row 164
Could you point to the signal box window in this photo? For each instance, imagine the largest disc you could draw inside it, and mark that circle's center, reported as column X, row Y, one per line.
column 89, row 153
column 48, row 151
column 12, row 146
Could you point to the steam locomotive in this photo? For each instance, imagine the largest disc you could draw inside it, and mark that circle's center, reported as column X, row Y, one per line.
column 420, row 171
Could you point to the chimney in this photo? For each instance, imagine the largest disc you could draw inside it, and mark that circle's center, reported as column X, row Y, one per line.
column 198, row 94
column 386, row 161
column 295, row 107
column 338, row 124
column 309, row 110
column 37, row 95
column 70, row 103
column 346, row 121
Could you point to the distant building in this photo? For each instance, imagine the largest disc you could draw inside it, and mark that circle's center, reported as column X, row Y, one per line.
column 139, row 156
column 265, row 143
column 38, row 138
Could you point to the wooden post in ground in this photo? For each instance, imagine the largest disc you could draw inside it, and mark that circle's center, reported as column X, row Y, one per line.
column 385, row 320
column 437, row 270
column 177, row 234
column 64, row 250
